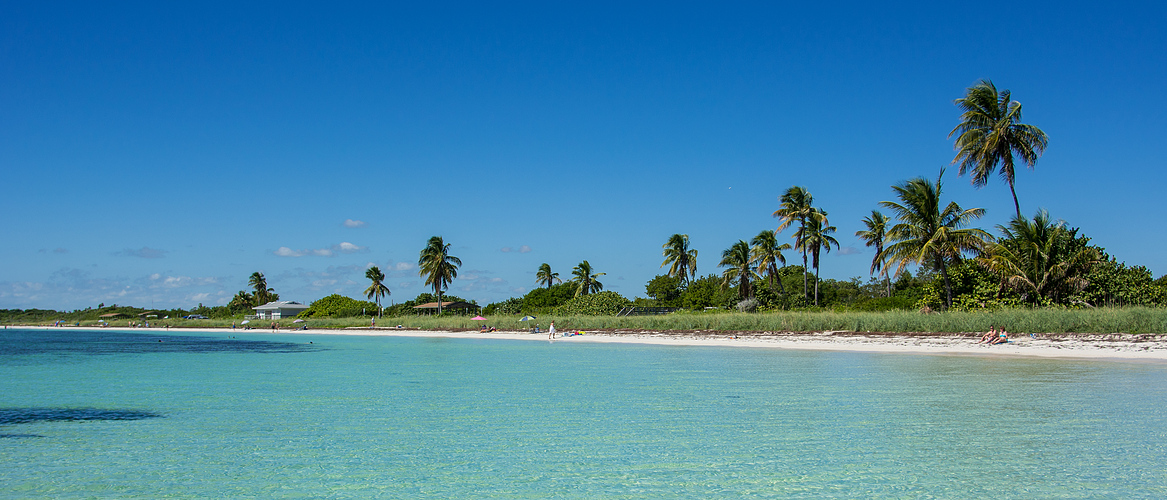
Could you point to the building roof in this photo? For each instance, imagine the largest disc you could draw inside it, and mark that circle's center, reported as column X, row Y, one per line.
column 111, row 315
column 445, row 305
column 282, row 304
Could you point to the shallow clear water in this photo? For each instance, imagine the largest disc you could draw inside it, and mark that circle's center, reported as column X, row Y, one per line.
column 119, row 414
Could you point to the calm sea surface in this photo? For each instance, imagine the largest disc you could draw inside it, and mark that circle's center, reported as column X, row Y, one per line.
column 96, row 414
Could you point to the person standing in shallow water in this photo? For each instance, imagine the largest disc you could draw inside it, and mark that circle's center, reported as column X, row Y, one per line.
column 551, row 331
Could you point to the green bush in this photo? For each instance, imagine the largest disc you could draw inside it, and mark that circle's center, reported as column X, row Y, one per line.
column 338, row 306
column 596, row 304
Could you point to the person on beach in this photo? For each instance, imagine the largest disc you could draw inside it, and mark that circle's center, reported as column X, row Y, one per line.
column 1002, row 337
column 551, row 331
column 373, row 324
column 232, row 325
column 989, row 336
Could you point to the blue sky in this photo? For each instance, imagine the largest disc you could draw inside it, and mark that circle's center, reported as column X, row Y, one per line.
column 158, row 154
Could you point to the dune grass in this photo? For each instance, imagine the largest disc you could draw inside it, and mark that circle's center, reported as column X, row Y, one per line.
column 1100, row 320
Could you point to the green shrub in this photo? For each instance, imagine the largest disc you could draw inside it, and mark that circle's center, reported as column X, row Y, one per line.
column 596, row 304
column 338, row 306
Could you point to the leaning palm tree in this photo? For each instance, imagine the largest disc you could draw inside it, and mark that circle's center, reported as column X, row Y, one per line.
column 990, row 134
column 929, row 234
column 437, row 266
column 683, row 260
column 816, row 238
column 766, row 253
column 585, row 279
column 796, row 206
column 739, row 266
column 545, row 276
column 262, row 292
column 874, row 236
column 377, row 289
column 1041, row 259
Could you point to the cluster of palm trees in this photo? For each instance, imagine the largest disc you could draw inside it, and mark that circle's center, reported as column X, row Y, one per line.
column 583, row 276
column 744, row 263
column 1039, row 258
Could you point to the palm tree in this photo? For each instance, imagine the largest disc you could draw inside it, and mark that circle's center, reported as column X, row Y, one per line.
column 262, row 292
column 546, row 276
column 990, row 134
column 585, row 279
column 817, row 237
column 437, row 266
column 1042, row 258
column 874, row 235
column 796, row 205
column 766, row 253
column 739, row 266
column 928, row 234
column 377, row 289
column 683, row 260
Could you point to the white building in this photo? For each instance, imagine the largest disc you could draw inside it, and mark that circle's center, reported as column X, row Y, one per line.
column 279, row 309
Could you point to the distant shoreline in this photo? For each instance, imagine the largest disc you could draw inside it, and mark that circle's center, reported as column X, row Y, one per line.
column 1116, row 347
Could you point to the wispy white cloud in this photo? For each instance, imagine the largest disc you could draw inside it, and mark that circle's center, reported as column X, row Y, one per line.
column 505, row 249
column 346, row 247
column 75, row 288
column 521, row 249
column 353, row 223
column 342, row 247
column 524, row 249
column 850, row 251
column 55, row 250
column 144, row 252
column 404, row 266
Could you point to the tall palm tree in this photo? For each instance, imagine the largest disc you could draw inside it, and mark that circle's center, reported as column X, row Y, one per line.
column 683, row 260
column 990, row 134
column 585, row 279
column 739, row 266
column 816, row 238
column 766, row 253
column 437, row 266
column 873, row 236
column 377, row 289
column 1042, row 258
column 545, row 276
column 796, row 206
column 262, row 292
column 928, row 233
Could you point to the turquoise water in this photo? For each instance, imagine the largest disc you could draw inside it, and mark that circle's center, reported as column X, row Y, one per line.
column 119, row 414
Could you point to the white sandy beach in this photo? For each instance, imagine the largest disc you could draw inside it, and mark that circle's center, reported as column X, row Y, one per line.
column 1152, row 348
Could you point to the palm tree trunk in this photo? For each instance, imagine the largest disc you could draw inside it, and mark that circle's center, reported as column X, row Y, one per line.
column 804, row 273
column 816, row 286
column 1016, row 205
column 947, row 283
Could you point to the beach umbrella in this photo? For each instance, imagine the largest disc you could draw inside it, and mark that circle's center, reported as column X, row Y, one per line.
column 527, row 318
column 245, row 322
column 478, row 318
column 298, row 321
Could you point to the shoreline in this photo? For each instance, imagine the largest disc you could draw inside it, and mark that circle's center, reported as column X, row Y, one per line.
column 1113, row 347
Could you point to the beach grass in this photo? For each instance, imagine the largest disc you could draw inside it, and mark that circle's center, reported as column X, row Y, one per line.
column 1136, row 320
